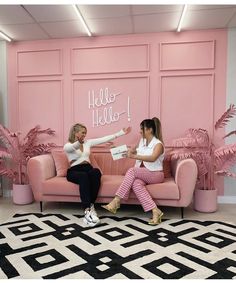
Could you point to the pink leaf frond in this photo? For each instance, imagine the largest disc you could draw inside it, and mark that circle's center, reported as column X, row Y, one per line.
column 225, row 150
column 225, row 173
column 6, row 138
column 225, row 157
column 4, row 154
column 230, row 134
column 184, row 142
column 224, row 119
column 200, row 136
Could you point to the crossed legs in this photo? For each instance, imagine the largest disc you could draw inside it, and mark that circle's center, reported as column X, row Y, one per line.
column 136, row 179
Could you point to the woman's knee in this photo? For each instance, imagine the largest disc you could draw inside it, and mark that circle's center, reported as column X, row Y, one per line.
column 95, row 172
column 138, row 183
column 77, row 177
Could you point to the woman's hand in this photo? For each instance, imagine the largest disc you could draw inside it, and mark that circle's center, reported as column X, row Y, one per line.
column 133, row 150
column 127, row 130
column 130, row 154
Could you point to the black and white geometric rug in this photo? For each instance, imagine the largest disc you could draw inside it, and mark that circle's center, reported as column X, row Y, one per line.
column 54, row 246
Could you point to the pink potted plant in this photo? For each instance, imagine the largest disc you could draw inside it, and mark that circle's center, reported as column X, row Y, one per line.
column 211, row 160
column 14, row 155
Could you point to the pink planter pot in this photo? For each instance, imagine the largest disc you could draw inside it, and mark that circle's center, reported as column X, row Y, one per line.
column 22, row 194
column 205, row 200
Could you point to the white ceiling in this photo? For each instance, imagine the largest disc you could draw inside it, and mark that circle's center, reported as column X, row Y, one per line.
column 32, row 22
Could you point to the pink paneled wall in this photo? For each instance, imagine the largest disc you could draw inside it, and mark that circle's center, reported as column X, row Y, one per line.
column 115, row 81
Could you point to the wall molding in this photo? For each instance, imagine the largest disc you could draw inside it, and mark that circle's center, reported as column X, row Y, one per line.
column 211, row 65
column 212, row 75
column 72, row 59
column 39, row 74
column 61, row 136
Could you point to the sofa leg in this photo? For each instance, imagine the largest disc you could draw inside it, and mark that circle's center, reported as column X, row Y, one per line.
column 182, row 212
column 41, row 206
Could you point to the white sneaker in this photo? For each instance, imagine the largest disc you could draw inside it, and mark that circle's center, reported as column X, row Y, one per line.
column 93, row 214
column 88, row 219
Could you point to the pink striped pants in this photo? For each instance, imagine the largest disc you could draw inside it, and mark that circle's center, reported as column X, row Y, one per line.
column 136, row 178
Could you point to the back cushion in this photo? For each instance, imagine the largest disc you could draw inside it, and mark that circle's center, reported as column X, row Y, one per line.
column 113, row 167
column 62, row 164
column 104, row 162
column 121, row 166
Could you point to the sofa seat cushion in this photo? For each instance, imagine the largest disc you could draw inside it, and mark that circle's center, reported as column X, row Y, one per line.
column 60, row 186
column 109, row 185
column 166, row 190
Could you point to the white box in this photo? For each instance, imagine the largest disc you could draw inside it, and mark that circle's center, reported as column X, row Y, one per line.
column 118, row 151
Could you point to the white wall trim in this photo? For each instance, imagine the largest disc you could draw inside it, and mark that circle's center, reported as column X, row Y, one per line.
column 226, row 199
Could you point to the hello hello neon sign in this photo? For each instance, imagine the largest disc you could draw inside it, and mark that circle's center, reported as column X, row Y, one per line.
column 101, row 104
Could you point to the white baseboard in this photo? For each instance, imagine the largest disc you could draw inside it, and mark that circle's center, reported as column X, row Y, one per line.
column 226, row 199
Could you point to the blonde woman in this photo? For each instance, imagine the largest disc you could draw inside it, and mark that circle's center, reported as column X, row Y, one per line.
column 149, row 155
column 81, row 171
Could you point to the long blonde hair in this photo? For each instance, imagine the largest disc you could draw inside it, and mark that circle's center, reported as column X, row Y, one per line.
column 75, row 129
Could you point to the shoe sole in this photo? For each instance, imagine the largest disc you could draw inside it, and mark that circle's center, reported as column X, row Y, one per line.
column 89, row 223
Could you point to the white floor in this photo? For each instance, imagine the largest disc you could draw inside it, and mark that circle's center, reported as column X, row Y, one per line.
column 225, row 212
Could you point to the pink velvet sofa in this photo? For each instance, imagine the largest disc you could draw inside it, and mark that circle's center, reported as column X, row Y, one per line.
column 176, row 190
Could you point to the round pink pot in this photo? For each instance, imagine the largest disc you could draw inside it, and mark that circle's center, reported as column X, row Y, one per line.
column 205, row 200
column 22, row 194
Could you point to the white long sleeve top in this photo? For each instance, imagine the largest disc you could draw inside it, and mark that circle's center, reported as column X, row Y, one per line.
column 144, row 149
column 74, row 153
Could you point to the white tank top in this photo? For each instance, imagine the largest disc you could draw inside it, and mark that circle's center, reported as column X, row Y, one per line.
column 144, row 149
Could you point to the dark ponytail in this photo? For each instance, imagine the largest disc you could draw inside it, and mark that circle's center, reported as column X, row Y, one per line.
column 155, row 125
column 158, row 130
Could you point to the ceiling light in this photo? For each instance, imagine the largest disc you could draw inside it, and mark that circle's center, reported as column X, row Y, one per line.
column 3, row 35
column 182, row 18
column 82, row 19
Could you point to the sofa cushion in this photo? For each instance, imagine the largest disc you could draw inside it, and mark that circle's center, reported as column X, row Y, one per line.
column 166, row 190
column 59, row 186
column 109, row 185
column 62, row 164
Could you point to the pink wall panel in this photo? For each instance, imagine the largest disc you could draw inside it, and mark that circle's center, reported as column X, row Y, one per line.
column 113, row 59
column 187, row 55
column 35, row 63
column 186, row 102
column 110, row 104
column 40, row 103
column 179, row 77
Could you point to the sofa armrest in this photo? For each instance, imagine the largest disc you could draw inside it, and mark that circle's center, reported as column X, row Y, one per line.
column 39, row 169
column 185, row 177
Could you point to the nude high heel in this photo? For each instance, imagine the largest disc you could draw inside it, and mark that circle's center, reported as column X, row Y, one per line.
column 113, row 205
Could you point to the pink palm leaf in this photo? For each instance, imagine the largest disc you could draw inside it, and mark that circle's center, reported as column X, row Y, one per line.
column 224, row 119
column 225, row 157
column 200, row 136
column 229, row 134
column 225, row 173
column 32, row 136
column 183, row 142
column 6, row 138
